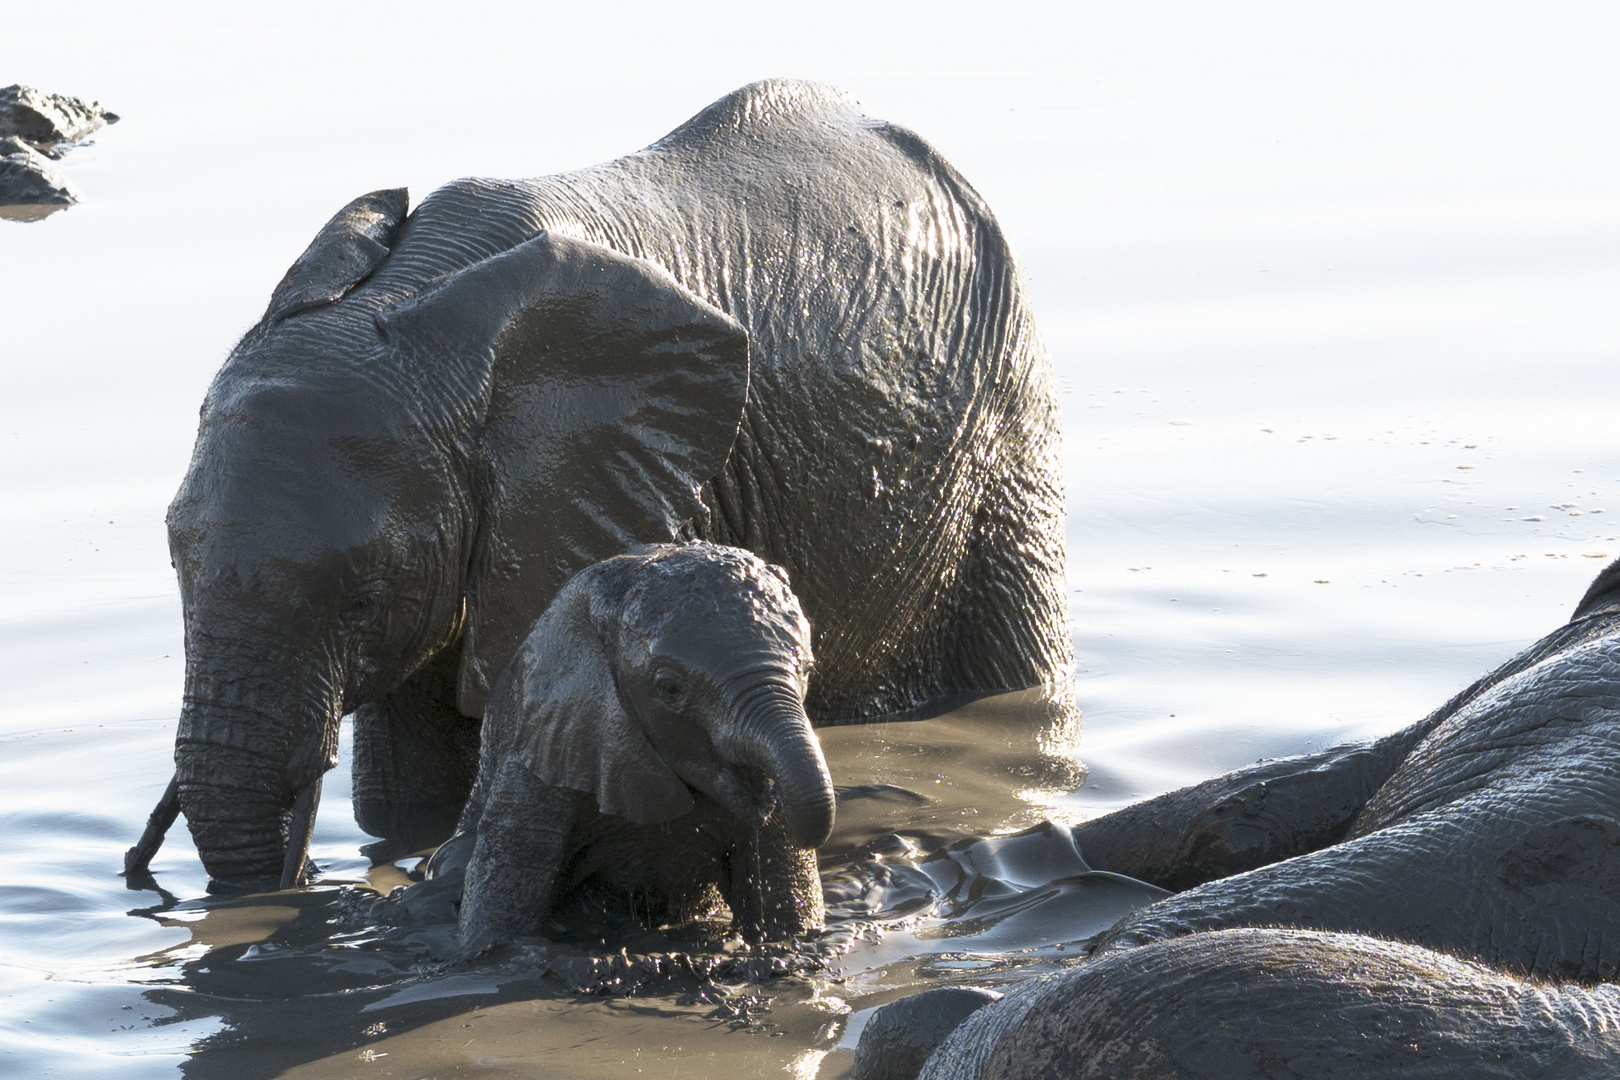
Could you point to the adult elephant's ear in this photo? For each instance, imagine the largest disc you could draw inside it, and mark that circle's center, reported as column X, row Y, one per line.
column 556, row 708
column 609, row 395
column 343, row 254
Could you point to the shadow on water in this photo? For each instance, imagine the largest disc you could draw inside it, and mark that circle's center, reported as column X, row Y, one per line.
column 942, row 870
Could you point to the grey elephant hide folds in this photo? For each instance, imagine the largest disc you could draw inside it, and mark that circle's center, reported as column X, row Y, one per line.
column 649, row 741
column 1326, row 896
column 785, row 326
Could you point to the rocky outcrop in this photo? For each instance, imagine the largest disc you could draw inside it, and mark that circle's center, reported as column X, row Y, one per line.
column 45, row 121
column 30, row 186
column 35, row 129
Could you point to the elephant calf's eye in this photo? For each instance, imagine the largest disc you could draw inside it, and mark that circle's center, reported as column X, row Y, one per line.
column 669, row 690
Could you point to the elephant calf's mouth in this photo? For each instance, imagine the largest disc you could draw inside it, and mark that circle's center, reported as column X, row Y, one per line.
column 747, row 793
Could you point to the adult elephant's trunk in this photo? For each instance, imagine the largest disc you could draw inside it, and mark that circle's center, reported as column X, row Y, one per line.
column 774, row 736
column 248, row 778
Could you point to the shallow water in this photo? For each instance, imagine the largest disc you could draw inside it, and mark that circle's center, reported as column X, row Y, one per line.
column 1330, row 295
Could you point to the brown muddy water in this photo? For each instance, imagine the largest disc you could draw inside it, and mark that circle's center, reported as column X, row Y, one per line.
column 1330, row 298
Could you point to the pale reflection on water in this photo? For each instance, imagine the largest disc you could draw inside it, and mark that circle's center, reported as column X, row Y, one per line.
column 30, row 212
column 1330, row 299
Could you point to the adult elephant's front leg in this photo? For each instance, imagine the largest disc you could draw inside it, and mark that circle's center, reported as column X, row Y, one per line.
column 415, row 758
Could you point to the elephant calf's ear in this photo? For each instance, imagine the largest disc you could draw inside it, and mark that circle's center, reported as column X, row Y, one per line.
column 556, row 708
column 343, row 254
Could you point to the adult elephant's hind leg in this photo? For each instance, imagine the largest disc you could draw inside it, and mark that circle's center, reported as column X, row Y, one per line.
column 1012, row 628
column 415, row 758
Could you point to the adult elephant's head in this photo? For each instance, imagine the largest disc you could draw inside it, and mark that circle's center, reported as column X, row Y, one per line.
column 383, row 470
column 680, row 668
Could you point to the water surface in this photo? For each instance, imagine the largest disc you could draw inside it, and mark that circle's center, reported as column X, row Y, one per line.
column 1330, row 295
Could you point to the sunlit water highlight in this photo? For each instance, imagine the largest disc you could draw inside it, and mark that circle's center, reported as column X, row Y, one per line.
column 1330, row 294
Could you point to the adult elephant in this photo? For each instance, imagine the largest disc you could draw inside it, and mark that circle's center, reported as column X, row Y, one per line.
column 1260, row 1003
column 1328, row 898
column 785, row 326
column 1490, row 829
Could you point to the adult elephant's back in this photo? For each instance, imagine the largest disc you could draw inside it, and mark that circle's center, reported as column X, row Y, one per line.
column 898, row 452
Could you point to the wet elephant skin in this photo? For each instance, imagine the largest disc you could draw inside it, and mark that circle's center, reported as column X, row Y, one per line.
column 1496, row 836
column 649, row 741
column 785, row 326
column 1271, row 1004
column 1488, row 831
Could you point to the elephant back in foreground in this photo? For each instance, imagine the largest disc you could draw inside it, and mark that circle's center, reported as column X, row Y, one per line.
column 898, row 452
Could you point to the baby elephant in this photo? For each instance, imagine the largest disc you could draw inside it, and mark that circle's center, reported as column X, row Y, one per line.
column 648, row 740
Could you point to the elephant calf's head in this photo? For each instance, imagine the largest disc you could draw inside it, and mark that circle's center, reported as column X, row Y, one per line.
column 680, row 668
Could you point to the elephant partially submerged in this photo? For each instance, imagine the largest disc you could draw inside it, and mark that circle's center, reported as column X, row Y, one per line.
column 1331, row 892
column 1490, row 829
column 1272, row 1004
column 649, row 741
column 785, row 326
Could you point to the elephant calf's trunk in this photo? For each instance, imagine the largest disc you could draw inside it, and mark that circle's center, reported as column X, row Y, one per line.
column 779, row 741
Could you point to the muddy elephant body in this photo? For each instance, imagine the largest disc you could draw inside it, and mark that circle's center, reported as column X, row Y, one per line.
column 648, row 744
column 785, row 326
column 1328, row 898
column 1490, row 829
column 1273, row 1004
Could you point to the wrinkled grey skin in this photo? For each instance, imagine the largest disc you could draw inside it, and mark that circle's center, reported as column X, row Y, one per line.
column 899, row 1038
column 785, row 326
column 1490, row 830
column 1273, row 1004
column 1495, row 836
column 649, row 740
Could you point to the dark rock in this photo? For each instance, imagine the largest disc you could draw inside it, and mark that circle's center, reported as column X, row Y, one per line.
column 35, row 128
column 900, row 1036
column 30, row 186
column 45, row 121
